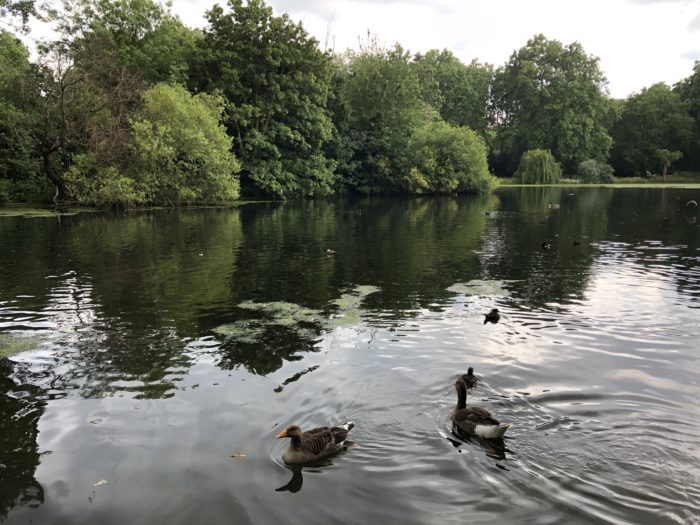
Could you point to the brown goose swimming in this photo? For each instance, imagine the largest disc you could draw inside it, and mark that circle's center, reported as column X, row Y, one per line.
column 476, row 421
column 314, row 444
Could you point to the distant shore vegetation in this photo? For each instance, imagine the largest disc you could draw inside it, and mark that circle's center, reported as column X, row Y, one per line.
column 128, row 106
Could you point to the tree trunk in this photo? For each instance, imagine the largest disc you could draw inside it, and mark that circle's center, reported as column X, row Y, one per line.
column 60, row 194
column 663, row 173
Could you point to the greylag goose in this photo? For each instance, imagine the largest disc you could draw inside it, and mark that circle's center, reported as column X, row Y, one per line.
column 469, row 378
column 553, row 206
column 492, row 317
column 315, row 444
column 476, row 421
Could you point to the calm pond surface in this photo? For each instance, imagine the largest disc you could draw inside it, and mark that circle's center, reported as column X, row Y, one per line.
column 160, row 344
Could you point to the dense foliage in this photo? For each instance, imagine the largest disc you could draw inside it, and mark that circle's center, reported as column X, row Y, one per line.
column 594, row 171
column 19, row 165
column 538, row 166
column 380, row 94
column 276, row 82
column 551, row 96
column 445, row 159
column 656, row 118
column 180, row 154
column 128, row 106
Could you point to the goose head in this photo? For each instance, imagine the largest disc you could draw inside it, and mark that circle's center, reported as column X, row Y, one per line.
column 292, row 431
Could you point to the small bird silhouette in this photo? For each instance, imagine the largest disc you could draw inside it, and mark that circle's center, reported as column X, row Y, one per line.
column 469, row 378
column 492, row 317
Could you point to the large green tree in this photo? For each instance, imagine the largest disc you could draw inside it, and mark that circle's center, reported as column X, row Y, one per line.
column 92, row 75
column 183, row 153
column 18, row 158
column 382, row 104
column 654, row 119
column 276, row 82
column 141, row 36
column 447, row 159
column 459, row 92
column 551, row 96
column 689, row 91
column 24, row 10
column 180, row 155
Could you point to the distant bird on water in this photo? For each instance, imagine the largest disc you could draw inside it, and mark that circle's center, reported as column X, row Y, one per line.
column 315, row 444
column 577, row 243
column 476, row 421
column 492, row 317
column 330, row 252
column 469, row 378
column 546, row 245
column 553, row 206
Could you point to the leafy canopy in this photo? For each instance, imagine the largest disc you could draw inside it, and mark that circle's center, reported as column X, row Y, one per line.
column 276, row 83
column 446, row 158
column 551, row 96
column 656, row 118
column 383, row 108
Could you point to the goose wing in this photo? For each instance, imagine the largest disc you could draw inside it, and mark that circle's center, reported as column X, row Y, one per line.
column 315, row 441
column 467, row 419
column 339, row 434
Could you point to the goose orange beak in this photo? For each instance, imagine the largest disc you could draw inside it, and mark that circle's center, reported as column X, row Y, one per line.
column 282, row 434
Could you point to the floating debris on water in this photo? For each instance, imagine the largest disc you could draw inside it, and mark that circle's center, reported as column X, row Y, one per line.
column 239, row 455
column 101, row 482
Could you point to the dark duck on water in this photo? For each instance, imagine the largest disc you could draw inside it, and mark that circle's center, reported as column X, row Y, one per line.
column 492, row 317
column 315, row 444
column 469, row 378
column 475, row 421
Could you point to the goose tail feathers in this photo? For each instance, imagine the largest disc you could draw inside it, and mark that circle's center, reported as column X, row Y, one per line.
column 491, row 431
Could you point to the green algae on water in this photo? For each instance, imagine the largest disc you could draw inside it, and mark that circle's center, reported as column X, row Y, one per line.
column 33, row 213
column 347, row 312
column 485, row 288
column 12, row 344
column 282, row 313
column 243, row 331
column 354, row 298
column 349, row 304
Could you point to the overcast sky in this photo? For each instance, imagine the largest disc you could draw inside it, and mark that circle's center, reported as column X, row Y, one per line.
column 639, row 42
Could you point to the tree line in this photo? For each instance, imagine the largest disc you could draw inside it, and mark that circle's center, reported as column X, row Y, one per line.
column 128, row 106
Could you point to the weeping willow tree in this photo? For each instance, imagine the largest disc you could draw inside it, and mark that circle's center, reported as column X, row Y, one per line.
column 538, row 166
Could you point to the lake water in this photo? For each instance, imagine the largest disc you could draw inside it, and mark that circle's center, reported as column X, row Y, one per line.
column 166, row 349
